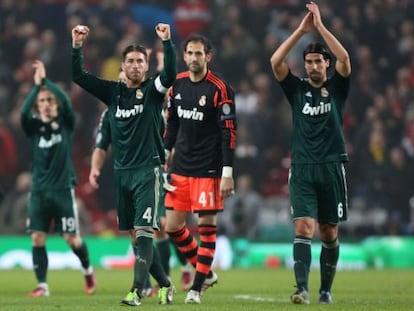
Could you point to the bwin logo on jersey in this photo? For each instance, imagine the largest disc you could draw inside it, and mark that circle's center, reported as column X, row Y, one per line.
column 314, row 111
column 47, row 143
column 190, row 114
column 127, row 113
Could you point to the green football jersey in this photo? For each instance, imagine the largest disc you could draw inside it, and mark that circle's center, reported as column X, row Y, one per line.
column 317, row 115
column 51, row 141
column 134, row 114
column 103, row 136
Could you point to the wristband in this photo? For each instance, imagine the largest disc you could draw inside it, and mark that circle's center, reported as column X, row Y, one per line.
column 227, row 172
column 167, row 154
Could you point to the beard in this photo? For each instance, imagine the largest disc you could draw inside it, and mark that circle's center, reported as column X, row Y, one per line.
column 135, row 81
column 316, row 77
column 134, row 77
column 195, row 68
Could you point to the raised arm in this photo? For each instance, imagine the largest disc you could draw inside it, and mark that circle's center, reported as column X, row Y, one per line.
column 278, row 59
column 30, row 100
column 98, row 87
column 169, row 71
column 343, row 63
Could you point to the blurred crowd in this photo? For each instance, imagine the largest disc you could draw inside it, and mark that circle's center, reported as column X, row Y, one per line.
column 379, row 120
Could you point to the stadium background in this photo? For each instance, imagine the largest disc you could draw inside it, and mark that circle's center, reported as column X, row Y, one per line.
column 379, row 120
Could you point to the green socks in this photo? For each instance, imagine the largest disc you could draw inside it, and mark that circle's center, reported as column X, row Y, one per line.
column 40, row 263
column 302, row 259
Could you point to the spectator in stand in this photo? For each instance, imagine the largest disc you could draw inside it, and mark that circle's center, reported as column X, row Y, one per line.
column 373, row 165
column 247, row 100
column 191, row 16
column 407, row 141
column 9, row 156
column 240, row 216
column 399, row 189
column 14, row 207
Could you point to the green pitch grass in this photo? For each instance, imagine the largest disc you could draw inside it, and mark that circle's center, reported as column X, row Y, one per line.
column 250, row 289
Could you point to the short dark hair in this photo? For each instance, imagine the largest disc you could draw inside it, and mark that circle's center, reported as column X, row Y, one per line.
column 195, row 37
column 134, row 48
column 318, row 48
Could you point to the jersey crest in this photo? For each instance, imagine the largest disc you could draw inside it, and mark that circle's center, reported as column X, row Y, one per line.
column 139, row 94
column 203, row 100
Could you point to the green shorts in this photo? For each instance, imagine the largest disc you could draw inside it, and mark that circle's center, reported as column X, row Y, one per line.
column 161, row 206
column 319, row 191
column 53, row 207
column 137, row 195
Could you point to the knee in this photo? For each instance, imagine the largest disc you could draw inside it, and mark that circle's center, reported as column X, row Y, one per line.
column 38, row 239
column 74, row 241
column 160, row 235
column 305, row 227
column 328, row 232
column 173, row 225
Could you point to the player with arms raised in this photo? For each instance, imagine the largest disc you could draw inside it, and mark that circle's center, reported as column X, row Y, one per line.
column 48, row 119
column 134, row 114
column 317, row 176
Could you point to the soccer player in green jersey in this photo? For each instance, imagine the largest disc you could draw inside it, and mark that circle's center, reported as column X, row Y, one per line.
column 317, row 177
column 99, row 154
column 134, row 113
column 48, row 120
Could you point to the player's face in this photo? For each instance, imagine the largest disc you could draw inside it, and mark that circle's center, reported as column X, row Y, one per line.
column 195, row 57
column 47, row 105
column 135, row 66
column 316, row 66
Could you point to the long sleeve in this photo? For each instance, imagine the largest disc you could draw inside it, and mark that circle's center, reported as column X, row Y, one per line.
column 227, row 111
column 26, row 112
column 169, row 71
column 98, row 87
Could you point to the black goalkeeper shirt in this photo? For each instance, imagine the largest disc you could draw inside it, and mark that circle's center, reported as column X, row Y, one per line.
column 201, row 126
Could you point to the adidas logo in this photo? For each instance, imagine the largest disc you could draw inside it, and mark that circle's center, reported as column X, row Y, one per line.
column 308, row 94
column 178, row 96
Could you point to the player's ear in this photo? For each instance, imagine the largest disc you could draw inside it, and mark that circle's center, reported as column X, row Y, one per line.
column 209, row 57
